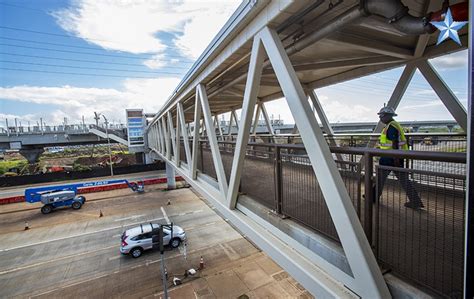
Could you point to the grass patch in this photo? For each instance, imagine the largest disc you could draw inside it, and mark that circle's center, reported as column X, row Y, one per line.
column 5, row 166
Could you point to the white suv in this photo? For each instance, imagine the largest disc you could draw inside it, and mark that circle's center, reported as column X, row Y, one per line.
column 138, row 239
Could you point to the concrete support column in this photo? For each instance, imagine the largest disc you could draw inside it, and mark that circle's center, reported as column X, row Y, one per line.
column 149, row 158
column 170, row 176
column 32, row 155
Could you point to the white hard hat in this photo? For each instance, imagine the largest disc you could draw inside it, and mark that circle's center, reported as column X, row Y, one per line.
column 387, row 110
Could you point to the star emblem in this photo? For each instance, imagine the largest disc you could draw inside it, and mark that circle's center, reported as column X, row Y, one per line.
column 448, row 28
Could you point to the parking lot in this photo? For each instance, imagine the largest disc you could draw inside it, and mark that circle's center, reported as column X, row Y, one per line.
column 75, row 253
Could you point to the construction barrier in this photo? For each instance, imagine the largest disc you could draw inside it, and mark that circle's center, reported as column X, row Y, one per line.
column 21, row 198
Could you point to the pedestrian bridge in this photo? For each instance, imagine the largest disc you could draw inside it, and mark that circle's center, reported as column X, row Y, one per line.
column 318, row 203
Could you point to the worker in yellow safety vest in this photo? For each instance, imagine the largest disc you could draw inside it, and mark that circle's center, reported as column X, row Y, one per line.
column 392, row 138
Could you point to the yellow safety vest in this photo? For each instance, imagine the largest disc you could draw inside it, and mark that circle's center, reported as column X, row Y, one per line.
column 387, row 144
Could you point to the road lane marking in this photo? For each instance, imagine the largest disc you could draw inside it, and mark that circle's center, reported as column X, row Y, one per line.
column 127, row 218
column 55, row 260
column 114, row 257
column 175, row 255
column 78, row 235
column 98, row 231
column 164, row 215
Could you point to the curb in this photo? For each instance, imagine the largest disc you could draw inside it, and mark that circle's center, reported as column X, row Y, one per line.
column 21, row 198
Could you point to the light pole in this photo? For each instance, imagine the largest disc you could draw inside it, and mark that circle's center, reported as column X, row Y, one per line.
column 108, row 143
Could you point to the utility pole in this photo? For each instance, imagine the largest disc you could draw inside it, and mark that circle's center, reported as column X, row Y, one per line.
column 159, row 239
column 108, row 144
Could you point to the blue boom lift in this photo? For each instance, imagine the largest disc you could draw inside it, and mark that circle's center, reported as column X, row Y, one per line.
column 57, row 196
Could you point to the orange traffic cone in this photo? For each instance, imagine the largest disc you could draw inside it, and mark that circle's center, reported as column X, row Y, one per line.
column 201, row 264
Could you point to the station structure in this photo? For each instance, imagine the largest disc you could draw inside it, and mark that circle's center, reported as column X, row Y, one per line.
column 315, row 204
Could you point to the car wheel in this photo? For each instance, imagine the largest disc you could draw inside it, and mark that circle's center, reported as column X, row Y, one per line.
column 175, row 242
column 82, row 198
column 136, row 252
column 76, row 205
column 46, row 209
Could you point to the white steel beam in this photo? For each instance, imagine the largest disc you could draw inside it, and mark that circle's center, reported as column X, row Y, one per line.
column 172, row 134
column 423, row 39
column 217, row 124
column 267, row 119
column 155, row 135
column 158, row 137
column 324, row 121
column 319, row 110
column 204, row 129
column 236, row 119
column 197, row 122
column 177, row 152
column 361, row 43
column 358, row 62
column 248, row 106
column 255, row 121
column 231, row 118
column 184, row 130
column 445, row 94
column 397, row 94
column 167, row 137
column 212, row 138
column 162, row 136
column 368, row 280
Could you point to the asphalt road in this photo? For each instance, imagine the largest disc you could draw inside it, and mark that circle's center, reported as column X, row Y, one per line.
column 73, row 253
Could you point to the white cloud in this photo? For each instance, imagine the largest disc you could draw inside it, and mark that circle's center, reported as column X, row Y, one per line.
column 452, row 61
column 335, row 111
column 199, row 30
column 127, row 26
column 132, row 25
column 342, row 112
column 423, row 105
column 426, row 92
column 156, row 62
column 75, row 102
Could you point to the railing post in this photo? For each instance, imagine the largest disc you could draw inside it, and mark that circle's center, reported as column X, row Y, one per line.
column 369, row 196
column 278, row 180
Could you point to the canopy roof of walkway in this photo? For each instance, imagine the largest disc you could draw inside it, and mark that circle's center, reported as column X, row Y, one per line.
column 365, row 45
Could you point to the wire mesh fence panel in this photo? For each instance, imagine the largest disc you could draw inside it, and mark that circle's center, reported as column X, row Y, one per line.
column 227, row 155
column 351, row 173
column 182, row 152
column 258, row 175
column 449, row 144
column 420, row 227
column 302, row 198
column 206, row 162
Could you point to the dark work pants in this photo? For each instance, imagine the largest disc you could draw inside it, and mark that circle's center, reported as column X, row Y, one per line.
column 404, row 181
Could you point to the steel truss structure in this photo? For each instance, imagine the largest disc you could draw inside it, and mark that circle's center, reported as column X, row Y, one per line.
column 270, row 74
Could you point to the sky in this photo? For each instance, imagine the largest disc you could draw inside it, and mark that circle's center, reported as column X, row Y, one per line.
column 71, row 58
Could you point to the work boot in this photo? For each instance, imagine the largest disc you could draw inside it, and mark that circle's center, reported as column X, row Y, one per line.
column 414, row 206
